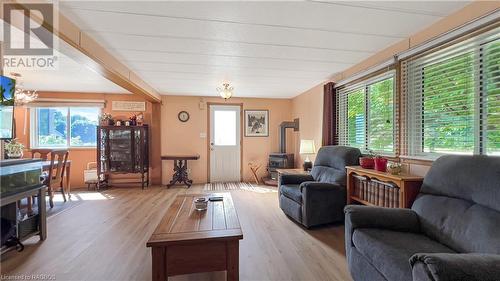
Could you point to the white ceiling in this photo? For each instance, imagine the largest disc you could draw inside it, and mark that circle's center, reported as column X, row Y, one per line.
column 264, row 49
column 67, row 76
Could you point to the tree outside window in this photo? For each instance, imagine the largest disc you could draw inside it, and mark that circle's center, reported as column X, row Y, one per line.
column 53, row 125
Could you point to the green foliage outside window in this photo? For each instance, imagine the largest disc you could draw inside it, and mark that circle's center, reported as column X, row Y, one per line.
column 356, row 118
column 381, row 115
column 52, row 126
column 492, row 71
column 448, row 105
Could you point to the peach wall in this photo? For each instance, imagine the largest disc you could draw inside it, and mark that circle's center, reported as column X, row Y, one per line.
column 81, row 156
column 184, row 138
column 308, row 107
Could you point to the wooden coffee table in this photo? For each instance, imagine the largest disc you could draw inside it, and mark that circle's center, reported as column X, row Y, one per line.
column 191, row 241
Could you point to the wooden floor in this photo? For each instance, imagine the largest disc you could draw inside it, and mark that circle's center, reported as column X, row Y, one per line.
column 104, row 238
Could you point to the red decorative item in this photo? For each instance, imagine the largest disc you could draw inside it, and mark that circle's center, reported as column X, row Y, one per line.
column 381, row 164
column 366, row 162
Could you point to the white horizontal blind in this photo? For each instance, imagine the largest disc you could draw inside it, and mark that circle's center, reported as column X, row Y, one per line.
column 366, row 114
column 491, row 101
column 381, row 133
column 342, row 117
column 451, row 99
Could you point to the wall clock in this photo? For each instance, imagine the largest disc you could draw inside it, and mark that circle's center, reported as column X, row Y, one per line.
column 183, row 116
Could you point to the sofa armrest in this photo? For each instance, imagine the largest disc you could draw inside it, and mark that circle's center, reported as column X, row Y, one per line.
column 447, row 267
column 379, row 217
column 312, row 186
column 294, row 179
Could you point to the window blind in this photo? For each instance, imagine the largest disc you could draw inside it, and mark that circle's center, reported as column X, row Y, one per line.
column 452, row 99
column 381, row 115
column 366, row 114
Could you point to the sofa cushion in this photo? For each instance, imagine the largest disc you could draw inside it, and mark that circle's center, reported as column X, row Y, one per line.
column 471, row 178
column 292, row 191
column 329, row 166
column 389, row 251
column 461, row 225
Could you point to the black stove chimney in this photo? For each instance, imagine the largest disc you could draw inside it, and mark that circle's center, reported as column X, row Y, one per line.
column 283, row 126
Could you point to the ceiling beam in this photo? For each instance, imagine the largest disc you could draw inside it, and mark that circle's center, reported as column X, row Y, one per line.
column 78, row 45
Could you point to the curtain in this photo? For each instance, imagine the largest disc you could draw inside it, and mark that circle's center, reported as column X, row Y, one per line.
column 330, row 134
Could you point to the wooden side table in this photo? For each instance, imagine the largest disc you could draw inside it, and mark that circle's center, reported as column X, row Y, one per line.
column 374, row 188
column 180, row 168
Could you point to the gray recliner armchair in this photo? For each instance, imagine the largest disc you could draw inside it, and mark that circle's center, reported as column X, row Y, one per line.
column 320, row 197
column 452, row 231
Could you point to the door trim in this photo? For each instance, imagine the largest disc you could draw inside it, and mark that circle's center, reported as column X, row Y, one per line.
column 209, row 104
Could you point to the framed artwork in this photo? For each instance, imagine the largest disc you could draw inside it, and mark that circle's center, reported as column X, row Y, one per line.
column 256, row 123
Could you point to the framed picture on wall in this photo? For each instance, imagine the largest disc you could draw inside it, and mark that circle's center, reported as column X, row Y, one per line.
column 256, row 123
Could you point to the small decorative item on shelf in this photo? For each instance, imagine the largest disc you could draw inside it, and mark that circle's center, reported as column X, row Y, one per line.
column 132, row 120
column 139, row 119
column 14, row 149
column 200, row 204
column 394, row 168
column 118, row 123
column 367, row 161
column 380, row 163
column 106, row 119
column 127, row 123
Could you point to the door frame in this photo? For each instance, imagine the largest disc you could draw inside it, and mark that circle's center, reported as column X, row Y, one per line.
column 209, row 104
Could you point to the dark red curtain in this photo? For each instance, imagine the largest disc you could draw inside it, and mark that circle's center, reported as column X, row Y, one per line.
column 330, row 136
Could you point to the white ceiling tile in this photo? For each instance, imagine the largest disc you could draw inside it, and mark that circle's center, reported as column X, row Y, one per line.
column 264, row 49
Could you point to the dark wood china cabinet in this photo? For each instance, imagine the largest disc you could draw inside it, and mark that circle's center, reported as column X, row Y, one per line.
column 123, row 150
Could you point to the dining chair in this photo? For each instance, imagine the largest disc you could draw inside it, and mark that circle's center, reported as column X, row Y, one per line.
column 58, row 161
column 41, row 153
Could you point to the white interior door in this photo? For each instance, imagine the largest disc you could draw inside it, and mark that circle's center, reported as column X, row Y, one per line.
column 225, row 143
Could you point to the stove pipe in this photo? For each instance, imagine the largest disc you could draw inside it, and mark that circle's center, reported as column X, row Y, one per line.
column 283, row 126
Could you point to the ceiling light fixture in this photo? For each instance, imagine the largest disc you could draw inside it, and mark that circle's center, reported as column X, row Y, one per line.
column 226, row 92
column 22, row 96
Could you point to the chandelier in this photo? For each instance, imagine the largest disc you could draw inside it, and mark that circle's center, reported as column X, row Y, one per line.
column 226, row 92
column 22, row 96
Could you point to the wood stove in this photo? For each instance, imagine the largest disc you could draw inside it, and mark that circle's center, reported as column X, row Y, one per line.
column 281, row 159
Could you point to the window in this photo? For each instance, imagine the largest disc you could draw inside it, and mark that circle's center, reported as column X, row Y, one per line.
column 225, row 127
column 453, row 99
column 356, row 118
column 492, row 99
column 65, row 126
column 366, row 114
column 380, row 121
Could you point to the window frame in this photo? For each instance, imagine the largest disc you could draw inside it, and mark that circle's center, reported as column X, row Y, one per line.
column 34, row 133
column 415, row 137
column 365, row 85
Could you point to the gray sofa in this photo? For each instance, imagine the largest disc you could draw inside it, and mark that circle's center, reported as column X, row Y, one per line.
column 320, row 197
column 452, row 231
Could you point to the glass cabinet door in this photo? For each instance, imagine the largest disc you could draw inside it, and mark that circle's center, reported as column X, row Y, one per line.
column 120, row 150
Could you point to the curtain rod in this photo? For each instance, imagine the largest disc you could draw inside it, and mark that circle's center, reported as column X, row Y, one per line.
column 366, row 72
